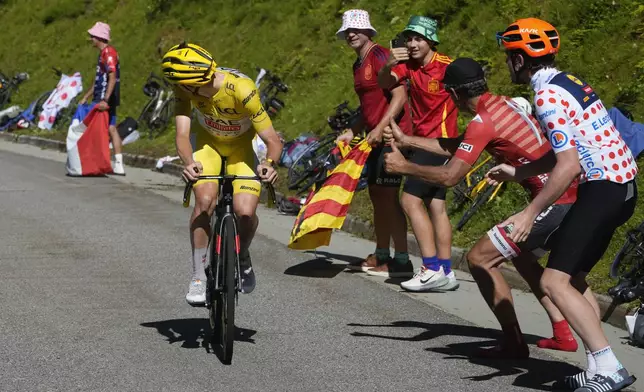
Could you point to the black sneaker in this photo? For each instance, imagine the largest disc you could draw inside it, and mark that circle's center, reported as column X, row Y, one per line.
column 615, row 382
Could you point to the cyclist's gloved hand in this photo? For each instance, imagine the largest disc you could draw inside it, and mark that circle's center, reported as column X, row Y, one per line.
column 267, row 172
column 500, row 173
column 192, row 170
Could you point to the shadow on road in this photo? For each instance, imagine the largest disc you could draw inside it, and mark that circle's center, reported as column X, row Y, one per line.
column 531, row 373
column 194, row 333
column 336, row 256
column 320, row 267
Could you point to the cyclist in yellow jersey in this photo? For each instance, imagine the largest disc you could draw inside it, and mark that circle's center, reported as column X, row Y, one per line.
column 229, row 114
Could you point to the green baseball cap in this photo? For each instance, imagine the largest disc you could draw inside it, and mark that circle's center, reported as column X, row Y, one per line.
column 427, row 27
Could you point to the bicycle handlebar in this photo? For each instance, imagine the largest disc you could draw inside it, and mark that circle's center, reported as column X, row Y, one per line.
column 186, row 193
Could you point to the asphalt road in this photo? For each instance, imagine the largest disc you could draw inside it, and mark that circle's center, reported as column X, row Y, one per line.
column 93, row 274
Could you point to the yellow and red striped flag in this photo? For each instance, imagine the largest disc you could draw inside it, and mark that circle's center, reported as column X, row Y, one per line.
column 327, row 208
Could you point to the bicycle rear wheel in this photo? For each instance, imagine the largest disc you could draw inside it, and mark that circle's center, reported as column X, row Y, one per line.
column 222, row 311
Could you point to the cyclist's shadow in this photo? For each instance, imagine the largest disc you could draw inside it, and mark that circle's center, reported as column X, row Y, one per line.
column 194, row 332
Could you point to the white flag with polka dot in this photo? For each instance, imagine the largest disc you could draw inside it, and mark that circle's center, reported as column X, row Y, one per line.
column 68, row 87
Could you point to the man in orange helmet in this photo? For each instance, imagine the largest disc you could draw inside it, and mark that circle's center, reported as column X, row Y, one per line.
column 587, row 146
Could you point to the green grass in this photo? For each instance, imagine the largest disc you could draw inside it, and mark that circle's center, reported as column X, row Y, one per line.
column 602, row 42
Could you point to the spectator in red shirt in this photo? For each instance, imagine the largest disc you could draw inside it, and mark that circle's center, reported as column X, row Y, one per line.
column 105, row 91
column 434, row 115
column 378, row 106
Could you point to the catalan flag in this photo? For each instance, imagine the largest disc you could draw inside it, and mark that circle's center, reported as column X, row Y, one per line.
column 327, row 208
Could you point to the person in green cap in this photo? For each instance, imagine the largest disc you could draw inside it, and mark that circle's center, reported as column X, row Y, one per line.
column 434, row 115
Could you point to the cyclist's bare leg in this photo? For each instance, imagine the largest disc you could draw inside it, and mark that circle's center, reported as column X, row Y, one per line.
column 484, row 260
column 245, row 205
column 415, row 209
column 205, row 202
column 442, row 228
column 388, row 217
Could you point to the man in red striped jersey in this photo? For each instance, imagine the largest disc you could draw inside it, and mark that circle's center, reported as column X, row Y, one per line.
column 511, row 136
column 377, row 106
column 433, row 115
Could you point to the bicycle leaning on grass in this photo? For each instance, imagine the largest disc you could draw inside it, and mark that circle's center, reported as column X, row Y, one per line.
column 312, row 166
column 223, row 272
column 156, row 113
column 475, row 188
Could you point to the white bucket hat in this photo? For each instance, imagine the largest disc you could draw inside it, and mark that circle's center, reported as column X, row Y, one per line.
column 355, row 19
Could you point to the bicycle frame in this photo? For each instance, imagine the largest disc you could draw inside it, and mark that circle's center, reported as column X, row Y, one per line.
column 482, row 184
column 223, row 211
column 268, row 95
column 151, row 114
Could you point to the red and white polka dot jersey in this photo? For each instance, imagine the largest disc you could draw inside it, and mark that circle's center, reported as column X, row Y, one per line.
column 574, row 117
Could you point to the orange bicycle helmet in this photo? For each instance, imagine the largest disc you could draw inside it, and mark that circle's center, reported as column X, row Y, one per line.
column 534, row 37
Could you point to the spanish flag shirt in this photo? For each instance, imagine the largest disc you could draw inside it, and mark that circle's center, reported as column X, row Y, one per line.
column 434, row 114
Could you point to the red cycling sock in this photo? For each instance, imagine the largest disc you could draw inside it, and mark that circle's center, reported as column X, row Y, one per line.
column 562, row 340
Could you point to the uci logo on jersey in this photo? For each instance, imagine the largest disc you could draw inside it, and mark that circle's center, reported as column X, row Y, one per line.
column 595, row 173
column 558, row 139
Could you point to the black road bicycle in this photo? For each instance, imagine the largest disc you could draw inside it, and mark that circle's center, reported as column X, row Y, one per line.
column 8, row 86
column 311, row 167
column 269, row 91
column 628, row 268
column 223, row 271
column 156, row 114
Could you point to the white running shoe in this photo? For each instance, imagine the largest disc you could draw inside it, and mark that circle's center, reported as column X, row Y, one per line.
column 451, row 285
column 196, row 292
column 117, row 168
column 425, row 280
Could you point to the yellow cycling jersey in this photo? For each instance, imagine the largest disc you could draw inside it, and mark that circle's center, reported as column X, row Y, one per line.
column 229, row 115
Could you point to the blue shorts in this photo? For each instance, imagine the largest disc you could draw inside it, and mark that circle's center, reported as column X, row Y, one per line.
column 111, row 111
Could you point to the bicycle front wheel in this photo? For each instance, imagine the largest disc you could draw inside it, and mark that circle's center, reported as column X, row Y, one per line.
column 222, row 313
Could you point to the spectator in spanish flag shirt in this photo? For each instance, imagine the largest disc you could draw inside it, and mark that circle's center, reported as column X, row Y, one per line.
column 434, row 115
column 105, row 91
column 378, row 106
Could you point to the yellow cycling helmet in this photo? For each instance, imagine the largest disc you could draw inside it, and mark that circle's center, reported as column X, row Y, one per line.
column 188, row 64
